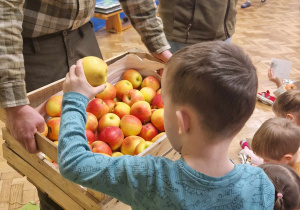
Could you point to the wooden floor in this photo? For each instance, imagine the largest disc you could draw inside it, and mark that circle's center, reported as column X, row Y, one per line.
column 265, row 30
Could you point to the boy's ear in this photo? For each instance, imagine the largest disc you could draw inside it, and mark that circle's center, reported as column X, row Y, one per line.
column 184, row 121
column 290, row 117
column 286, row 158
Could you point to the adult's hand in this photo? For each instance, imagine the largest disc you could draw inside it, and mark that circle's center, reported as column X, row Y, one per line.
column 23, row 122
column 164, row 56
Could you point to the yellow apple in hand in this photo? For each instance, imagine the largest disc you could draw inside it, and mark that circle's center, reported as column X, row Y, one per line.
column 95, row 70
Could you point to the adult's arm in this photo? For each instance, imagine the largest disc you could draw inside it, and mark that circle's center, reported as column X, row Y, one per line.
column 142, row 15
column 22, row 120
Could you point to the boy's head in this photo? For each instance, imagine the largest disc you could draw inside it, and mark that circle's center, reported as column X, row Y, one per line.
column 287, row 185
column 287, row 105
column 277, row 141
column 216, row 82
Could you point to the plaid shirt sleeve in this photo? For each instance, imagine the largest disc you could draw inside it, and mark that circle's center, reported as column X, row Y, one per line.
column 12, row 72
column 142, row 15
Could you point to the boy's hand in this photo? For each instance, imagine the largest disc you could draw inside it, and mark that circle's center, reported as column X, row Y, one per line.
column 274, row 79
column 76, row 82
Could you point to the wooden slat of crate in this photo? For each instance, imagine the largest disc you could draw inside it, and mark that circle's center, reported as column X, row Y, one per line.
column 39, row 180
column 73, row 190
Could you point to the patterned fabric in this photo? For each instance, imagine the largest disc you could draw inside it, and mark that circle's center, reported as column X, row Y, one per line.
column 154, row 182
column 41, row 17
column 142, row 15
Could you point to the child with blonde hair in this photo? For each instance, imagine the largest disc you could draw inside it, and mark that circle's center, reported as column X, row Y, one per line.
column 198, row 126
column 287, row 186
column 278, row 141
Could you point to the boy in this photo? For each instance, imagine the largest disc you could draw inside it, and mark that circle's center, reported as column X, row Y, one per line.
column 209, row 92
column 278, row 141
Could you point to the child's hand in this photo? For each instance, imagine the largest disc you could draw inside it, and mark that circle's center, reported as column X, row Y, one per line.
column 274, row 79
column 76, row 82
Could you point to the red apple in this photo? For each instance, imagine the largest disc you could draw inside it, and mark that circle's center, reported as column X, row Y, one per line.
column 53, row 106
column 151, row 81
column 117, row 154
column 91, row 122
column 107, row 120
column 97, row 107
column 113, row 136
column 141, row 110
column 157, row 137
column 148, row 93
column 110, row 103
column 133, row 96
column 134, row 77
column 148, row 132
column 130, row 125
column 157, row 102
column 157, row 119
column 101, row 147
column 122, row 87
column 129, row 144
column 90, row 136
column 121, row 109
column 142, row 146
column 109, row 92
column 290, row 87
column 53, row 126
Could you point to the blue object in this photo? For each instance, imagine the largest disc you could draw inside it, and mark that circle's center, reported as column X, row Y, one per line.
column 99, row 23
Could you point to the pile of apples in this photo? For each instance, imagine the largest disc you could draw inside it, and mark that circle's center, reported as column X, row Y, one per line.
column 124, row 119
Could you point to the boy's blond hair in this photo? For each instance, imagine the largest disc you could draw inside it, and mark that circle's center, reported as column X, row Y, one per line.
column 218, row 80
column 275, row 138
column 286, row 103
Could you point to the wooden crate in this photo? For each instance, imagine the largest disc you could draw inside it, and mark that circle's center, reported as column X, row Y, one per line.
column 44, row 174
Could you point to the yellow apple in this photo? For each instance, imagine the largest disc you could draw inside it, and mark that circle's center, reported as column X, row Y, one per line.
column 142, row 146
column 108, row 120
column 130, row 125
column 157, row 137
column 148, row 93
column 53, row 125
column 129, row 144
column 151, row 81
column 53, row 106
column 134, row 77
column 117, row 154
column 95, row 70
column 157, row 119
column 121, row 109
column 122, row 87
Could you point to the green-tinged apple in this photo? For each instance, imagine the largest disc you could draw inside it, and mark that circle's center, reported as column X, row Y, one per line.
column 129, row 144
column 130, row 125
column 141, row 110
column 113, row 136
column 151, row 81
column 91, row 122
column 53, row 128
column 101, row 147
column 90, row 136
column 148, row 93
column 148, row 132
column 133, row 96
column 158, row 136
column 158, row 91
column 110, row 103
column 110, row 119
column 157, row 102
column 121, row 109
column 122, row 87
column 116, row 99
column 53, row 106
column 45, row 133
column 157, row 119
column 134, row 77
column 117, row 154
column 95, row 70
column 142, row 146
column 97, row 107
column 108, row 93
